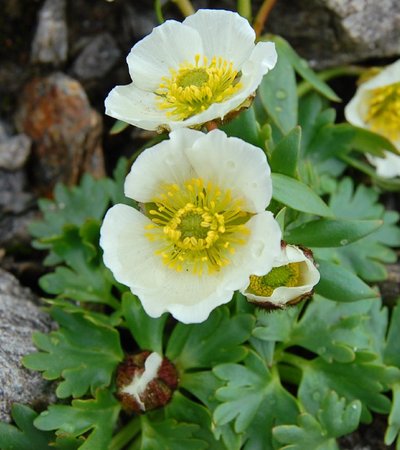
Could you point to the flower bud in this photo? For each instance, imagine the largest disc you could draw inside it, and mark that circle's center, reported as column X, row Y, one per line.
column 145, row 381
column 290, row 281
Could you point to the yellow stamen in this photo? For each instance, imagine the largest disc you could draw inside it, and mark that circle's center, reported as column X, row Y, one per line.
column 198, row 226
column 383, row 113
column 287, row 276
column 194, row 87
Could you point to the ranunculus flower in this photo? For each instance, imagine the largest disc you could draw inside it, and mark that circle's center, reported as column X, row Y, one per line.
column 376, row 106
column 203, row 229
column 186, row 74
column 291, row 279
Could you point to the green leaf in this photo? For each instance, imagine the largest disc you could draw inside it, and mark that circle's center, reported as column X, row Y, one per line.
column 393, row 429
column 335, row 331
column 118, row 127
column 298, row 195
column 245, row 127
column 330, row 232
column 214, row 341
column 359, row 380
column 275, row 326
column 367, row 141
column 147, row 332
column 392, row 347
column 284, row 158
column 338, row 283
column 184, row 410
column 169, row 435
column 27, row 437
column 279, row 96
column 366, row 257
column 83, row 352
column 253, row 397
column 86, row 279
column 308, row 434
column 333, row 420
column 95, row 417
column 303, row 69
column 72, row 206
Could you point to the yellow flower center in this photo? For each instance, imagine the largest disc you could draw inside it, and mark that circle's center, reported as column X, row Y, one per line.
column 198, row 226
column 383, row 113
column 288, row 276
column 194, row 87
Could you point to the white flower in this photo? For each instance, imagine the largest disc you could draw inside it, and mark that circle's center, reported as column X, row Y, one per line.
column 292, row 278
column 203, row 230
column 376, row 106
column 186, row 74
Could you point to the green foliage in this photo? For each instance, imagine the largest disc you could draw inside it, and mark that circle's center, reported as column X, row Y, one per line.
column 27, row 437
column 97, row 417
column 214, row 341
column 367, row 256
column 148, row 332
column 298, row 195
column 294, row 379
column 333, row 419
column 83, row 351
column 253, row 398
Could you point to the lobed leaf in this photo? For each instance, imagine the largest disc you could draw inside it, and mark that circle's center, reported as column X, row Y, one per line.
column 217, row 340
column 83, row 352
column 95, row 418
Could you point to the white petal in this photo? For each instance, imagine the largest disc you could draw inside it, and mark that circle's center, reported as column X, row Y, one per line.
column 257, row 256
column 309, row 277
column 262, row 59
column 233, row 164
column 387, row 167
column 224, row 33
column 164, row 163
column 190, row 298
column 168, row 46
column 134, row 106
column 356, row 108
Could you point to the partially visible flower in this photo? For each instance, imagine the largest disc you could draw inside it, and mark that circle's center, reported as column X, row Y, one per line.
column 186, row 74
column 145, row 381
column 203, row 230
column 291, row 280
column 376, row 106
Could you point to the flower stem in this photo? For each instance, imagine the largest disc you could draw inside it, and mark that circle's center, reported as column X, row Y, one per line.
column 185, row 6
column 244, row 8
column 262, row 16
column 158, row 9
column 293, row 360
column 342, row 71
column 121, row 439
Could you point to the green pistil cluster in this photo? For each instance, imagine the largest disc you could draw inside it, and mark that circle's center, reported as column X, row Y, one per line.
column 286, row 276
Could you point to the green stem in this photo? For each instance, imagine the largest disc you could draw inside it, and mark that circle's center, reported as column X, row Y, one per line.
column 289, row 374
column 121, row 439
column 262, row 16
column 294, row 360
column 244, row 9
column 342, row 71
column 185, row 7
column 158, row 9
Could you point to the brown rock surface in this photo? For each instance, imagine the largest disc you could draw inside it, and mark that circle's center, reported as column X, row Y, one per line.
column 55, row 113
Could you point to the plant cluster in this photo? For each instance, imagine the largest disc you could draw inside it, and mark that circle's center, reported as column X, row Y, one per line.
column 298, row 377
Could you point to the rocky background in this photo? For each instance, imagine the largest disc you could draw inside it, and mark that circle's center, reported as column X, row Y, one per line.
column 58, row 61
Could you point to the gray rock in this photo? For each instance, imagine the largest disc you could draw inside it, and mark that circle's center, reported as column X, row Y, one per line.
column 97, row 58
column 14, row 152
column 50, row 44
column 332, row 32
column 19, row 318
